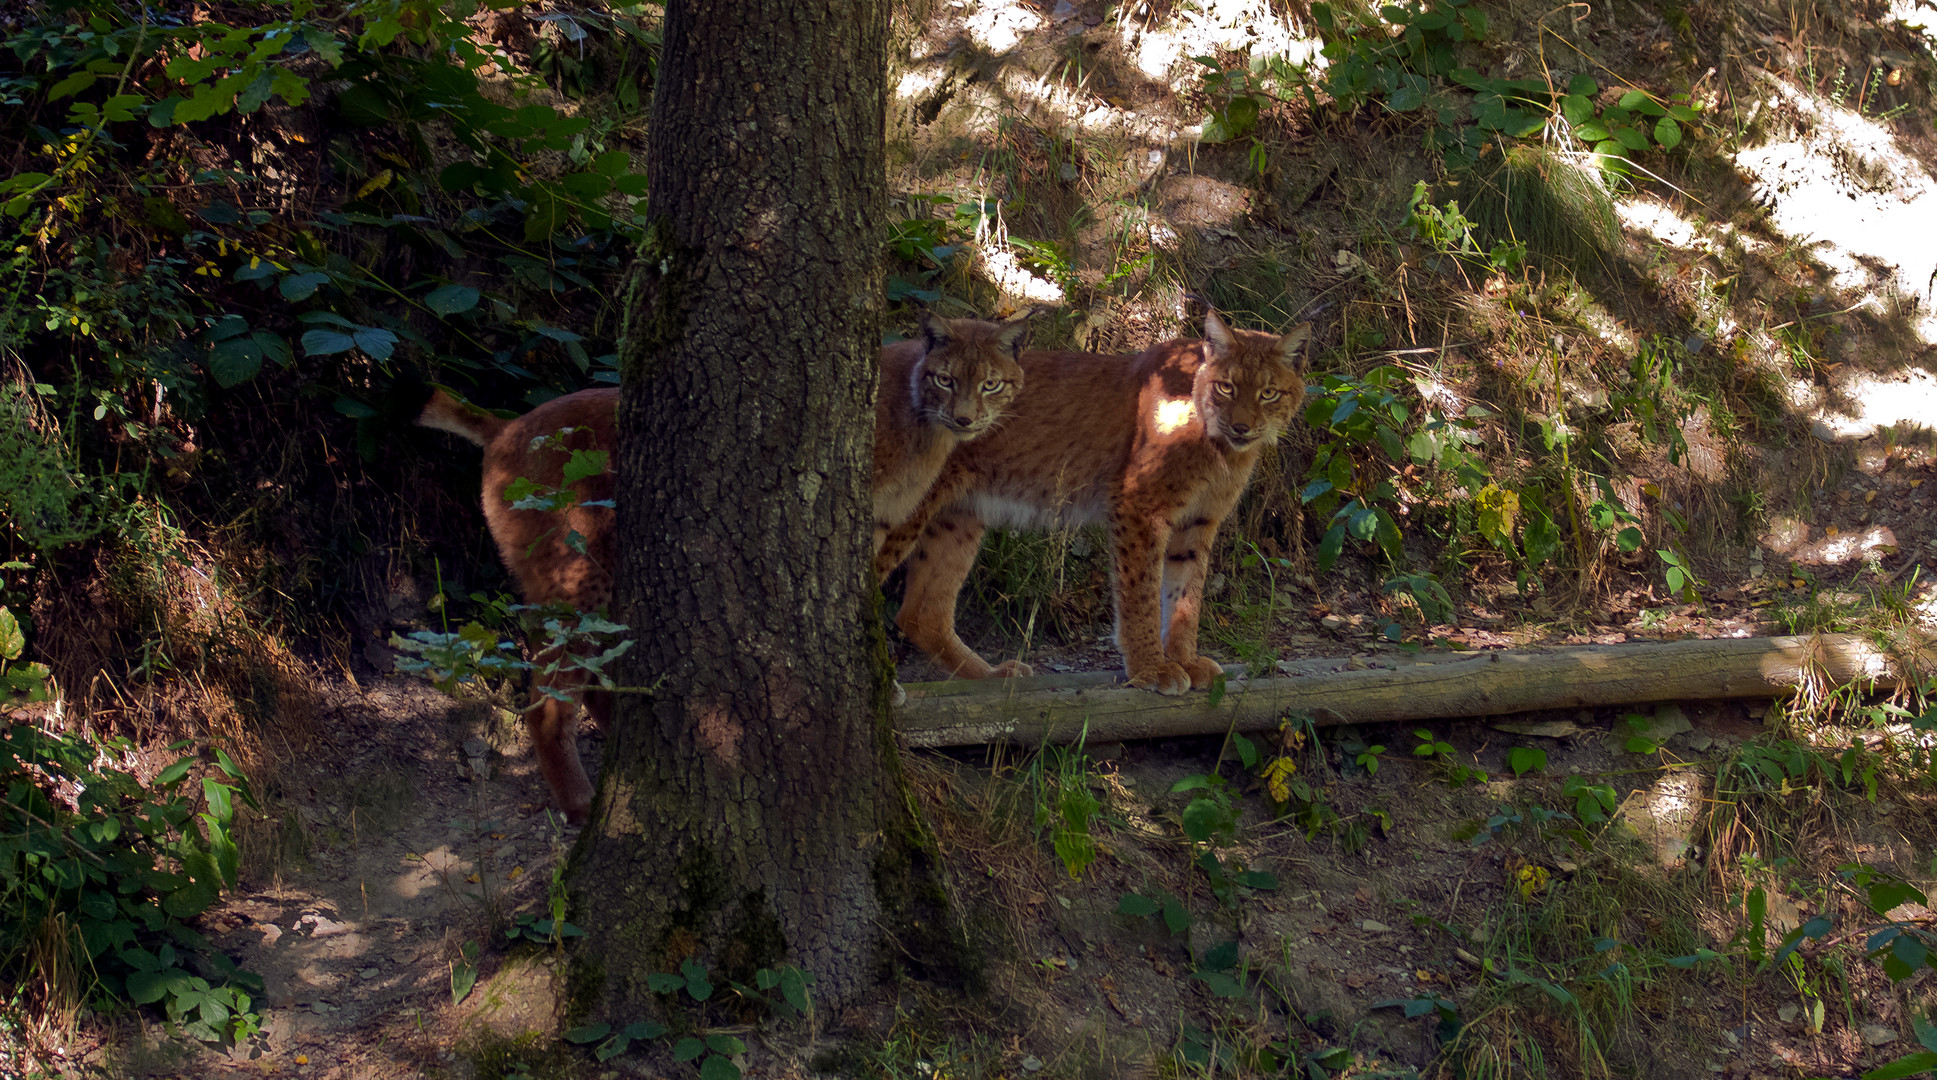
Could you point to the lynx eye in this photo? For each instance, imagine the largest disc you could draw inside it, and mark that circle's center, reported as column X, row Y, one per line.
column 1223, row 389
column 946, row 382
column 1269, row 396
column 992, row 385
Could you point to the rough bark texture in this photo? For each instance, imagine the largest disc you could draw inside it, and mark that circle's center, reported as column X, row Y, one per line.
column 746, row 809
column 1060, row 708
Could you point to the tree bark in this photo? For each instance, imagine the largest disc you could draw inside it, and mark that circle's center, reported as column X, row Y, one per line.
column 746, row 808
column 1060, row 708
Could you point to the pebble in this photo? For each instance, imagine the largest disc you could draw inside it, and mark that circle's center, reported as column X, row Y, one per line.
column 1878, row 1035
column 1373, row 926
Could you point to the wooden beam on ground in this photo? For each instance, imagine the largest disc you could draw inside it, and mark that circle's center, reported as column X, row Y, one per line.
column 1371, row 689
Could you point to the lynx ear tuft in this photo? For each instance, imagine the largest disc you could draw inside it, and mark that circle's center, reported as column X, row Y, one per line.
column 1294, row 349
column 1014, row 334
column 1217, row 333
column 934, row 330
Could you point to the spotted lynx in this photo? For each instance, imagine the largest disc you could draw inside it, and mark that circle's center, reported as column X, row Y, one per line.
column 938, row 390
column 1158, row 446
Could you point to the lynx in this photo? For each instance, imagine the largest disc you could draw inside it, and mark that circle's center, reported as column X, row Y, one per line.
column 1158, row 446
column 949, row 385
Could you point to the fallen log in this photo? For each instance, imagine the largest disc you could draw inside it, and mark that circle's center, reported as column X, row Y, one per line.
column 1060, row 708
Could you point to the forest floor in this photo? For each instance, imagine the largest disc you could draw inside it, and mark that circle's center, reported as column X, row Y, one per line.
column 416, row 824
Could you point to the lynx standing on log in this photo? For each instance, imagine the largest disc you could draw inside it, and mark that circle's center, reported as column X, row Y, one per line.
column 936, row 391
column 1158, row 445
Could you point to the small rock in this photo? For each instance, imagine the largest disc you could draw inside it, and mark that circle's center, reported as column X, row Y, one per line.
column 367, row 973
column 1333, row 622
column 1032, row 1063
column 476, row 747
column 1700, row 740
column 1373, row 926
column 1878, row 1035
column 1788, row 1013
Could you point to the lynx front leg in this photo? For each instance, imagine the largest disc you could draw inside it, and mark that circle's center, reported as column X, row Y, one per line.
column 941, row 562
column 1140, row 575
column 1185, row 564
column 553, row 725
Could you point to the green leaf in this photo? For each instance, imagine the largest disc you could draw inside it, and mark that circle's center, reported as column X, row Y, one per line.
column 664, row 982
column 235, row 362
column 1201, row 819
column 1582, row 85
column 588, row 1033
column 1176, row 916
column 326, row 342
column 191, row 900
column 1916, row 1064
column 448, row 300
column 793, row 987
column 1668, row 133
column 1525, row 759
column 1132, row 904
column 147, row 987
column 174, row 773
column 644, row 1029
column 71, row 85
column 1579, row 112
column 302, row 286
column 1220, row 984
column 725, row 1044
column 718, row 1068
column 697, row 983
column 1630, row 138
column 12, row 641
column 688, row 1048
column 1258, row 879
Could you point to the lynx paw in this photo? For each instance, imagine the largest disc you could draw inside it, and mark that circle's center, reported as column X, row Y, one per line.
column 1202, row 671
column 1164, row 677
column 1012, row 669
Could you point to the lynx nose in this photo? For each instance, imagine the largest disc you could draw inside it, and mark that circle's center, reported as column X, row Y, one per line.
column 963, row 420
column 1240, row 430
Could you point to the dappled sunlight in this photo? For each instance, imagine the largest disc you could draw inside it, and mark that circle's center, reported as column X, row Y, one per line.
column 999, row 27
column 1007, row 273
column 1843, row 189
column 1645, row 215
column 1871, row 403
column 1174, row 413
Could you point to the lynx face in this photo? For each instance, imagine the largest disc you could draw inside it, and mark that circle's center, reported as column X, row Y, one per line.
column 1251, row 384
column 970, row 375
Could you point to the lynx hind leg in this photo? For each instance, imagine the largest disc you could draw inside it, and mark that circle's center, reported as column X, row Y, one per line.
column 1186, row 564
column 940, row 562
column 553, row 725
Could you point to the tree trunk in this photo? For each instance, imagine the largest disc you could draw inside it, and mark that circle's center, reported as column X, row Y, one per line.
column 747, row 807
column 1098, row 707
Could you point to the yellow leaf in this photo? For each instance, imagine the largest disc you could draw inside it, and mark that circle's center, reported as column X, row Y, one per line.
column 1833, row 531
column 377, row 183
column 516, row 873
column 473, row 879
column 302, row 1059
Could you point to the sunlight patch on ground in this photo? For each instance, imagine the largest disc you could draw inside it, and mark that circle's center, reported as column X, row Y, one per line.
column 1863, row 209
column 1871, row 403
column 1005, row 272
column 1216, row 26
column 1664, row 225
column 1000, row 27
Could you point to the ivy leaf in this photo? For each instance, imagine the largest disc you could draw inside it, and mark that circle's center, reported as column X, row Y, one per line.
column 448, row 300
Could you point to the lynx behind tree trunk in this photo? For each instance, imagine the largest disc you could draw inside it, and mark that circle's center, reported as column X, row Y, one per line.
column 1159, row 446
column 948, row 385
